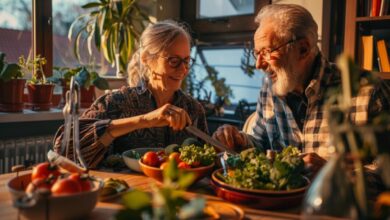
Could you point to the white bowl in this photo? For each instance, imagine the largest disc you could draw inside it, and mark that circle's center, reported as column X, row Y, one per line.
column 132, row 163
column 74, row 206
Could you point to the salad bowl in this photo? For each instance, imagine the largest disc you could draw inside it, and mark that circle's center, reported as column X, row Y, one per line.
column 258, row 198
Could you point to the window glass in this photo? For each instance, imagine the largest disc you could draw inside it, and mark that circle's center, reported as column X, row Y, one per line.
column 64, row 13
column 15, row 28
column 224, row 8
column 228, row 64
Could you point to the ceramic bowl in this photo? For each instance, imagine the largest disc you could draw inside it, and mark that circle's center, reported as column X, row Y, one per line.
column 132, row 163
column 73, row 206
column 157, row 173
column 257, row 198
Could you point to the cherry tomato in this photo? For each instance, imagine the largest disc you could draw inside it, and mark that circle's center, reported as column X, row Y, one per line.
column 161, row 153
column 175, row 156
column 183, row 165
column 44, row 170
column 83, row 180
column 151, row 159
column 164, row 165
column 39, row 183
column 66, row 186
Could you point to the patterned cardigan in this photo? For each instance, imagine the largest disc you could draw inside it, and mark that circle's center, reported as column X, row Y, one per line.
column 128, row 102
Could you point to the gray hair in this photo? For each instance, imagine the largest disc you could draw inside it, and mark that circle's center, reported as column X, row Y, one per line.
column 291, row 21
column 155, row 39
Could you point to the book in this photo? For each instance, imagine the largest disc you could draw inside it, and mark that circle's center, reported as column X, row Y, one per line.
column 384, row 63
column 367, row 52
column 384, row 7
column 375, row 7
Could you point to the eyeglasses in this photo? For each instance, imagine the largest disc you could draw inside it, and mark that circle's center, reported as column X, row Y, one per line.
column 175, row 61
column 266, row 52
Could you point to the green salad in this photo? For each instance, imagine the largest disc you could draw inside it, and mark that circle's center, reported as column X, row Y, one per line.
column 252, row 169
column 203, row 156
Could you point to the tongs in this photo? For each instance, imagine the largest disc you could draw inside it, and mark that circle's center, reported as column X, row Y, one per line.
column 200, row 134
column 71, row 127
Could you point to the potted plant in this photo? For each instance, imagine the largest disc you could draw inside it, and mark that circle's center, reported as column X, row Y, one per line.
column 11, row 86
column 114, row 26
column 87, row 80
column 40, row 89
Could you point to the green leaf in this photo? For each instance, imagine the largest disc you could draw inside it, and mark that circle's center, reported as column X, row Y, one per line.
column 119, row 7
column 171, row 173
column 96, row 32
column 10, row 71
column 83, row 78
column 142, row 199
column 76, row 50
column 91, row 5
column 101, row 83
column 186, row 179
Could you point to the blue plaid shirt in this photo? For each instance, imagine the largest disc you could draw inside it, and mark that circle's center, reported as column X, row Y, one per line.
column 276, row 126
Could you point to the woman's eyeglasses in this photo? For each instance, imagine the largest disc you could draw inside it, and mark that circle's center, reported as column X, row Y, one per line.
column 265, row 53
column 175, row 61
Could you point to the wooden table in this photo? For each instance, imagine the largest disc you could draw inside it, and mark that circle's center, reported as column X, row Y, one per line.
column 105, row 210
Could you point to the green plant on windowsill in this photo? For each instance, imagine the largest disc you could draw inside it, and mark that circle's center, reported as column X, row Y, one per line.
column 34, row 66
column 114, row 27
column 9, row 71
column 83, row 77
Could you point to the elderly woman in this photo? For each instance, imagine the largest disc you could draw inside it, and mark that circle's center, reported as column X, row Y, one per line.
column 152, row 111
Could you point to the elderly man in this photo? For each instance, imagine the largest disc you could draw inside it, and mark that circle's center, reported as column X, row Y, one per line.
column 290, row 106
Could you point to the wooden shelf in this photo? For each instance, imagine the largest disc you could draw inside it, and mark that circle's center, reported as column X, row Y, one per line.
column 384, row 75
column 380, row 22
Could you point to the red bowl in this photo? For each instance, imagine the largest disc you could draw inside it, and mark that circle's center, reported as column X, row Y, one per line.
column 72, row 206
column 157, row 173
column 256, row 198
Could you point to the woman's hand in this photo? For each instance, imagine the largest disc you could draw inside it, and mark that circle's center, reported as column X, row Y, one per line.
column 313, row 163
column 230, row 136
column 168, row 115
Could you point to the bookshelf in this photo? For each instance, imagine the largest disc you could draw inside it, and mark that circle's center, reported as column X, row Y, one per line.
column 358, row 24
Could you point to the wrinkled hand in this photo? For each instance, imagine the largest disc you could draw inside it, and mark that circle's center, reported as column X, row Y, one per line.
column 168, row 115
column 230, row 136
column 313, row 163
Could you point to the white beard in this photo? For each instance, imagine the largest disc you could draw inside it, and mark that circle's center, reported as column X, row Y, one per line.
column 286, row 79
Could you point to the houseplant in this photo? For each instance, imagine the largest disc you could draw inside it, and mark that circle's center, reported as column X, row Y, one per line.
column 87, row 80
column 114, row 26
column 11, row 86
column 40, row 88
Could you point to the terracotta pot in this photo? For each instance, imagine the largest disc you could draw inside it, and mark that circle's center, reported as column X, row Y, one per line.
column 40, row 96
column 11, row 95
column 87, row 95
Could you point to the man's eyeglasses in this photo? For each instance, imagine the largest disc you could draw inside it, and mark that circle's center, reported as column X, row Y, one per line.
column 175, row 61
column 265, row 53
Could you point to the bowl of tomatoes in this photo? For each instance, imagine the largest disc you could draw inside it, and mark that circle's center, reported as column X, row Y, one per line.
column 195, row 159
column 48, row 193
column 131, row 157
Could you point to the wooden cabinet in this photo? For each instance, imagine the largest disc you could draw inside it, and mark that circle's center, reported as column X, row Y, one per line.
column 358, row 24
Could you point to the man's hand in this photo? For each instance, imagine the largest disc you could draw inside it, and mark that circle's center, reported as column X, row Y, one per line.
column 313, row 163
column 230, row 136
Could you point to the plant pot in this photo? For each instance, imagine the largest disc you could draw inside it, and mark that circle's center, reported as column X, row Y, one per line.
column 11, row 95
column 87, row 95
column 40, row 96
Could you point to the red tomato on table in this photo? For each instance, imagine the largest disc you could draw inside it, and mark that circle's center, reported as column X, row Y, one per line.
column 83, row 180
column 183, row 165
column 44, row 170
column 151, row 159
column 66, row 186
column 175, row 156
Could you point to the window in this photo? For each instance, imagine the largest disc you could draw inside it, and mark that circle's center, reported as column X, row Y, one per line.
column 222, row 8
column 15, row 28
column 64, row 13
column 227, row 62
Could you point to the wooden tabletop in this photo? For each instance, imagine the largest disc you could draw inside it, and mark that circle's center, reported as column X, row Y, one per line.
column 106, row 210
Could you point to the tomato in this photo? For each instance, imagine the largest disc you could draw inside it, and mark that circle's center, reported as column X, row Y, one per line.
column 175, row 156
column 45, row 170
column 164, row 165
column 39, row 183
column 151, row 159
column 65, row 186
column 195, row 164
column 83, row 180
column 183, row 165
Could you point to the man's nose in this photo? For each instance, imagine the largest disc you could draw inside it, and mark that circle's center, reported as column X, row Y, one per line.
column 261, row 63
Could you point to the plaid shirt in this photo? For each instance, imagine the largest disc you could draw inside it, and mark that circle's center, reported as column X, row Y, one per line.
column 276, row 126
